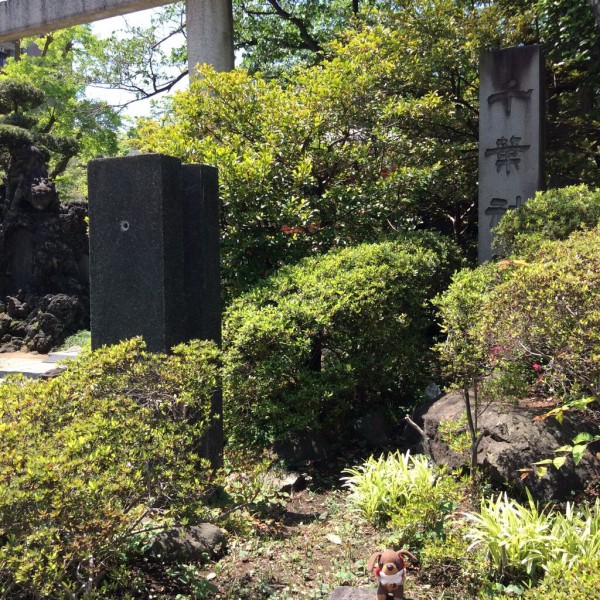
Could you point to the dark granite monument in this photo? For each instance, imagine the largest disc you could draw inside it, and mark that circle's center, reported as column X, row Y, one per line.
column 154, row 257
column 154, row 251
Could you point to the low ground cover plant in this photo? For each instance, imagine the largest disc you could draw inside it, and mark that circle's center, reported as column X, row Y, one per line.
column 320, row 341
column 91, row 457
column 407, row 493
column 524, row 542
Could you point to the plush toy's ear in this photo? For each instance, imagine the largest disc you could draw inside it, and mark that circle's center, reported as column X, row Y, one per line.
column 374, row 558
column 409, row 554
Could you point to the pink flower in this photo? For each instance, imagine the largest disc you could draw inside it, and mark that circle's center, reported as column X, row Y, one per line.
column 496, row 351
column 537, row 367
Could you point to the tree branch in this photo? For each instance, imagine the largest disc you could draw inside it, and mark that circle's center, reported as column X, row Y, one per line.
column 311, row 43
column 426, row 445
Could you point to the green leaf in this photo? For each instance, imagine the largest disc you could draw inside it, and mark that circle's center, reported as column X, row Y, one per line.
column 578, row 452
column 584, row 437
column 559, row 461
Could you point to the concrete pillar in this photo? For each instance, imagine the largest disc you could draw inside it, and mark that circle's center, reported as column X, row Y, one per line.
column 210, row 34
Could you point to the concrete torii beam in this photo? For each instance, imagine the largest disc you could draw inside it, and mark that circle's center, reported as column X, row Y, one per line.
column 209, row 22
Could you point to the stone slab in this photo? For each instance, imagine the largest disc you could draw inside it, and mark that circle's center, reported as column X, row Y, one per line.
column 350, row 593
column 55, row 357
column 24, row 18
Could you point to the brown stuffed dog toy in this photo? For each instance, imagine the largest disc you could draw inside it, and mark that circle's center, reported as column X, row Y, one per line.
column 390, row 570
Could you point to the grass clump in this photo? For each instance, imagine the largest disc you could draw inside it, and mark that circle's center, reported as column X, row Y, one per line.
column 523, row 542
column 82, row 338
column 406, row 493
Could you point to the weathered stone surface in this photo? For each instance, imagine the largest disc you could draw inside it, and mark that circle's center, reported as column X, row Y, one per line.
column 309, row 446
column 350, row 593
column 286, row 482
column 511, row 105
column 373, row 429
column 44, row 283
column 136, row 250
column 200, row 543
column 514, row 438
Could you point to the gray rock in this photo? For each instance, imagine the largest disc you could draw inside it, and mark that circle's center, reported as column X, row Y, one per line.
column 287, row 482
column 373, row 428
column 15, row 308
column 300, row 449
column 514, row 438
column 199, row 543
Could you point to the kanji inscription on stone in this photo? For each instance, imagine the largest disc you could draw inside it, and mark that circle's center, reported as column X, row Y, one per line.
column 511, row 117
column 507, row 153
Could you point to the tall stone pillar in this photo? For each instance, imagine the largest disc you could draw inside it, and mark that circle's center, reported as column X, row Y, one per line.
column 210, row 34
column 136, row 251
column 511, row 140
column 154, row 258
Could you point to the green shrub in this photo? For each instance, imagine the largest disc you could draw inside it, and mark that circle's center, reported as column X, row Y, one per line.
column 560, row 583
column 533, row 323
column 459, row 309
column 544, row 318
column 551, row 215
column 524, row 541
column 321, row 340
column 406, row 492
column 87, row 457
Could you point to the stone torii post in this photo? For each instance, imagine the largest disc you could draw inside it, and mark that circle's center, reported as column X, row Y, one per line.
column 209, row 22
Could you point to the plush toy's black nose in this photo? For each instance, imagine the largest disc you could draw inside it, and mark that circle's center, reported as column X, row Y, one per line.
column 390, row 567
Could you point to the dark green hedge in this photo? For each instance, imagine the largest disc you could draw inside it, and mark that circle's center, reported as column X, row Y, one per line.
column 329, row 338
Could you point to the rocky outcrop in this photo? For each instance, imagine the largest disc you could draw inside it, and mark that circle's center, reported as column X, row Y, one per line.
column 40, row 324
column 514, row 437
column 44, row 277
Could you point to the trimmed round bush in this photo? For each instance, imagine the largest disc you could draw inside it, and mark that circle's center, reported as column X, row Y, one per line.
column 90, row 456
column 528, row 322
column 546, row 314
column 330, row 338
column 551, row 215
